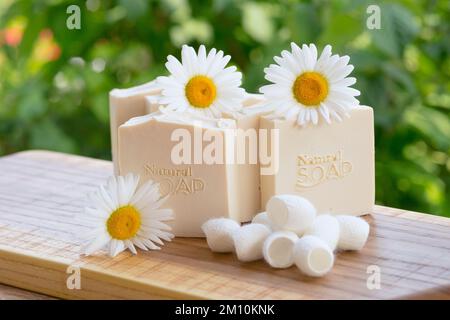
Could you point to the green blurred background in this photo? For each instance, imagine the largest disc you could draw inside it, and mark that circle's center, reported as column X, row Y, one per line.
column 54, row 82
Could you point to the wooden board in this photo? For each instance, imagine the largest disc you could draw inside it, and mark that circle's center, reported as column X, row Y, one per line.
column 12, row 293
column 42, row 192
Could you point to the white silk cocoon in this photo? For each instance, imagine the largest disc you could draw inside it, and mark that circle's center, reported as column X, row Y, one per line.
column 219, row 234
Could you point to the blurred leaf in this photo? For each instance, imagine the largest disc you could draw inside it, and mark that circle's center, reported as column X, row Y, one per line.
column 303, row 23
column 400, row 75
column 100, row 107
column 135, row 8
column 257, row 21
column 32, row 103
column 434, row 125
column 397, row 28
column 47, row 135
column 341, row 29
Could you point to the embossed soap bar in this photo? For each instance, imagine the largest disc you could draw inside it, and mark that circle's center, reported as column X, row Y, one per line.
column 198, row 191
column 125, row 104
column 332, row 165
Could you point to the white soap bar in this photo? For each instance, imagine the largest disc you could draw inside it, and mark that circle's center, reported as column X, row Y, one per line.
column 249, row 240
column 291, row 213
column 278, row 249
column 332, row 165
column 125, row 104
column 198, row 191
column 219, row 234
column 313, row 256
column 325, row 227
column 354, row 232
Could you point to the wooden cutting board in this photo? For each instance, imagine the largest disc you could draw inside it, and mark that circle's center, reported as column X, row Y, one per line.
column 42, row 192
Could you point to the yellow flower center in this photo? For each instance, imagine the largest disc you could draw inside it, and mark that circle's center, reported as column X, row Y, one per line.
column 124, row 223
column 310, row 88
column 200, row 91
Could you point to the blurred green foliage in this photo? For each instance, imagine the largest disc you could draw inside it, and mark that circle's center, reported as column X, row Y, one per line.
column 55, row 81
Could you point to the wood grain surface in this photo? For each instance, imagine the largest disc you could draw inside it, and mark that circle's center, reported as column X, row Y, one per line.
column 12, row 293
column 42, row 193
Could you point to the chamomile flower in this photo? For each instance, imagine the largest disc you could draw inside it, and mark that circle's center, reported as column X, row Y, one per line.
column 201, row 84
column 123, row 216
column 305, row 87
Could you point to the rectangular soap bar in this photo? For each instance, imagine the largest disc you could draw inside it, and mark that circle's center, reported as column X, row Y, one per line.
column 197, row 191
column 125, row 104
column 332, row 165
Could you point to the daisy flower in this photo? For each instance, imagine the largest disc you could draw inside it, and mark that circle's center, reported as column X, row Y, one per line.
column 123, row 216
column 305, row 87
column 201, row 84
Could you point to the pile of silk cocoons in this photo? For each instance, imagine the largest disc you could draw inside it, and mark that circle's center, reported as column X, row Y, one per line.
column 289, row 232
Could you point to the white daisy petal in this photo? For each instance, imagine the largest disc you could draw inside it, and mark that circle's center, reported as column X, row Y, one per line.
column 327, row 71
column 290, row 60
column 340, row 109
column 329, row 64
column 209, row 69
column 187, row 60
column 95, row 212
column 167, row 236
column 138, row 243
column 149, row 191
column 313, row 52
column 99, row 202
column 222, row 79
column 301, row 117
column 150, row 244
column 273, row 90
column 326, row 54
column 292, row 113
column 338, row 67
column 276, row 69
column 164, row 82
column 283, row 107
column 219, row 65
column 298, row 55
column 92, row 233
column 340, row 72
column 209, row 59
column 343, row 72
column 347, row 90
column 215, row 111
column 154, row 224
column 324, row 112
column 202, row 59
column 130, row 246
column 307, row 115
column 335, row 115
column 346, row 82
column 155, row 239
column 308, row 58
column 314, row 116
column 121, row 191
column 141, row 204
column 98, row 243
column 114, row 247
column 344, row 97
column 176, row 68
column 275, row 78
column 111, row 186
